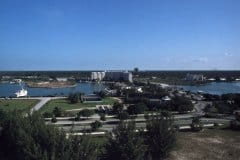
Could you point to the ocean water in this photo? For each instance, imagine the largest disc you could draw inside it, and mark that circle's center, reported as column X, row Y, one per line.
column 218, row 88
column 7, row 89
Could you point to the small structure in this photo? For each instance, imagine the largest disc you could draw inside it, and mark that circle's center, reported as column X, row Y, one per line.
column 166, row 98
column 17, row 80
column 91, row 98
column 195, row 77
column 104, row 107
column 139, row 90
column 155, row 100
column 163, row 85
column 212, row 79
column 61, row 79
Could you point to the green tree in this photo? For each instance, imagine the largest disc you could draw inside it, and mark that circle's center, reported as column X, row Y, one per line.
column 160, row 136
column 102, row 117
column 86, row 113
column 196, row 124
column 136, row 109
column 54, row 119
column 47, row 114
column 235, row 124
column 125, row 143
column 123, row 115
column 182, row 104
column 117, row 108
column 77, row 117
column 101, row 94
column 57, row 112
column 95, row 125
column 75, row 97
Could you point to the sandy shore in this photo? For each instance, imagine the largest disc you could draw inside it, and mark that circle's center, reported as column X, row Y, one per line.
column 51, row 84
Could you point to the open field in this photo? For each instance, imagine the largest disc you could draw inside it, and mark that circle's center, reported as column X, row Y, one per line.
column 65, row 105
column 210, row 144
column 18, row 104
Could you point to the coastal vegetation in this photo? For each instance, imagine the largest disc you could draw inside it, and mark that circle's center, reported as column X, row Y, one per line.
column 50, row 84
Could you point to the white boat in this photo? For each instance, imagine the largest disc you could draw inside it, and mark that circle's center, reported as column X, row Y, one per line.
column 21, row 93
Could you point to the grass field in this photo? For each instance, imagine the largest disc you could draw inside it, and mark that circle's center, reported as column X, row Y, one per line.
column 19, row 104
column 65, row 105
column 210, row 144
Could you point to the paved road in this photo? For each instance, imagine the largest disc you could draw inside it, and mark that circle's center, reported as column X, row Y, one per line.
column 200, row 105
column 40, row 104
column 43, row 101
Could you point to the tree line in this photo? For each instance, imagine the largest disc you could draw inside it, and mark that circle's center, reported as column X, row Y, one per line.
column 29, row 138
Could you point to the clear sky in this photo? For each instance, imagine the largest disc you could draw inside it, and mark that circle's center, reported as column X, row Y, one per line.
column 119, row 34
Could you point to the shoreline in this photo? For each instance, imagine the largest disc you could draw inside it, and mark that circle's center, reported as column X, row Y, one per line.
column 51, row 85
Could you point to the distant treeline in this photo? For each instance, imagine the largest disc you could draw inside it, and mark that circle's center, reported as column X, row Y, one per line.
column 182, row 74
column 51, row 74
column 142, row 74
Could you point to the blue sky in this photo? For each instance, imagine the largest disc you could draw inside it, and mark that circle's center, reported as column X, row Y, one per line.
column 119, row 34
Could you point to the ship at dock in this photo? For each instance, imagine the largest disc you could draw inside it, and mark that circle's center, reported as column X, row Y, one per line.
column 21, row 93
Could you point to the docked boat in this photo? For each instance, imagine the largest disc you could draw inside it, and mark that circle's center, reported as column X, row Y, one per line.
column 21, row 93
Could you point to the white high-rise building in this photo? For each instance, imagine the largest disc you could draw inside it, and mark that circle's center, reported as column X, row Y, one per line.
column 112, row 76
column 97, row 75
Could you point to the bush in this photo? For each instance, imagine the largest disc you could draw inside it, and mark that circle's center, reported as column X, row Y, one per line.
column 136, row 109
column 54, row 119
column 182, row 104
column 57, row 112
column 196, row 124
column 95, row 125
column 235, row 125
column 47, row 115
column 102, row 117
column 86, row 113
column 117, row 108
column 123, row 115
column 75, row 97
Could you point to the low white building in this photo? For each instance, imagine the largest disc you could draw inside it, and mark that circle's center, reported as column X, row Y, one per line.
column 17, row 80
column 195, row 77
column 166, row 98
column 61, row 79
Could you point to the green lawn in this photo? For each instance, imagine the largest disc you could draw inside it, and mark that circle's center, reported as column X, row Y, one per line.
column 65, row 105
column 19, row 104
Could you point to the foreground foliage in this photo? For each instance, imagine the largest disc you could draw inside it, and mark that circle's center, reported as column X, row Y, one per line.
column 153, row 143
column 125, row 143
column 29, row 138
column 160, row 135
